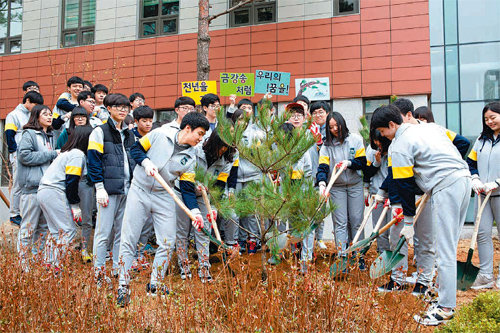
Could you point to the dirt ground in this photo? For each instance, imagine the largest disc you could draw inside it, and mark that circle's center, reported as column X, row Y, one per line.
column 246, row 263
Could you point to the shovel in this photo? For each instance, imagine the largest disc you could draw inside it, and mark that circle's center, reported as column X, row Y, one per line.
column 390, row 259
column 186, row 210
column 466, row 271
column 341, row 264
column 365, row 244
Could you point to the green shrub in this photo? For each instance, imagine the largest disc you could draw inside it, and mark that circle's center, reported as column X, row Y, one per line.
column 482, row 315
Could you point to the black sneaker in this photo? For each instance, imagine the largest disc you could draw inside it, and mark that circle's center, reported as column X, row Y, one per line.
column 419, row 289
column 16, row 220
column 154, row 290
column 390, row 286
column 186, row 272
column 123, row 298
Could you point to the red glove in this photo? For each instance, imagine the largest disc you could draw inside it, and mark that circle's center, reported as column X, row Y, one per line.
column 212, row 218
column 316, row 132
column 198, row 222
column 396, row 212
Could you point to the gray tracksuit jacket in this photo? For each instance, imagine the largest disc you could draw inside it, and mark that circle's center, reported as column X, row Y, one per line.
column 484, row 161
column 378, row 178
column 351, row 149
column 34, row 155
column 247, row 172
column 15, row 121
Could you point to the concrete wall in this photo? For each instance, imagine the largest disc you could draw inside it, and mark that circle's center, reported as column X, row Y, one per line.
column 41, row 25
column 116, row 21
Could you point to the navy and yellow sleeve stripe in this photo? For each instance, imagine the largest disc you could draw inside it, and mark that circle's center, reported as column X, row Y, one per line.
column 359, row 161
column 323, row 169
column 461, row 142
column 73, row 174
column 94, row 162
column 139, row 149
column 10, row 134
column 472, row 162
column 186, row 185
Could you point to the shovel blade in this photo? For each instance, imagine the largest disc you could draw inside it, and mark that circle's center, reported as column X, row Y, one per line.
column 466, row 275
column 384, row 264
column 361, row 244
column 338, row 266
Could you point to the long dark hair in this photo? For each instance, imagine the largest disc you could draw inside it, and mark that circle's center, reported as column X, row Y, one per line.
column 425, row 113
column 343, row 131
column 212, row 146
column 487, row 132
column 78, row 138
column 33, row 122
column 77, row 111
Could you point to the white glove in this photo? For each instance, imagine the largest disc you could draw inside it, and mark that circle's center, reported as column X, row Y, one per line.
column 366, row 196
column 198, row 222
column 380, row 196
column 102, row 197
column 322, row 189
column 408, row 232
column 343, row 165
column 77, row 214
column 477, row 185
column 491, row 186
column 149, row 167
column 212, row 218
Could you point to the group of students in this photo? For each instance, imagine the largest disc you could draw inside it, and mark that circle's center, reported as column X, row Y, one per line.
column 86, row 154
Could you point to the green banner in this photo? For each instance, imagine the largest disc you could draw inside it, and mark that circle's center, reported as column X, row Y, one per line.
column 239, row 84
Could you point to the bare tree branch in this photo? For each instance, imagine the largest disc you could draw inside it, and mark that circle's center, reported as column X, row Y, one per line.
column 240, row 4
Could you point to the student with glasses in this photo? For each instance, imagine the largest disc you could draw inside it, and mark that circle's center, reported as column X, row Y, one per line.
column 183, row 105
column 109, row 170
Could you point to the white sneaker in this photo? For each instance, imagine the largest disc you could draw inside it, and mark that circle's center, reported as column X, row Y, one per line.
column 434, row 316
column 412, row 279
column 483, row 282
column 321, row 245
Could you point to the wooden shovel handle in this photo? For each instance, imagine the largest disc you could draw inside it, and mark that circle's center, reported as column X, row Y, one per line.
column 209, row 208
column 381, row 218
column 4, row 199
column 178, row 201
column 333, row 179
column 393, row 221
column 363, row 223
column 480, row 209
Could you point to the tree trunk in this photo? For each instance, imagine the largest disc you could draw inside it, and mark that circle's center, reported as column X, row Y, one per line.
column 203, row 66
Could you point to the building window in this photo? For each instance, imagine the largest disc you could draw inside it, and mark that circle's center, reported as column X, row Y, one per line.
column 254, row 13
column 345, row 7
column 372, row 104
column 11, row 26
column 78, row 22
column 159, row 17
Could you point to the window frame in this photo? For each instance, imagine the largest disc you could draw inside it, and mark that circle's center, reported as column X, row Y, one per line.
column 336, row 8
column 79, row 31
column 158, row 20
column 252, row 7
column 8, row 39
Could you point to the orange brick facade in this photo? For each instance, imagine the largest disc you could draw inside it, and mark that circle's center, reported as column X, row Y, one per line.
column 380, row 52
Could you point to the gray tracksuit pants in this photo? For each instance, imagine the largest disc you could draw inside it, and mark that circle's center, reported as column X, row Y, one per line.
column 146, row 232
column 108, row 225
column 87, row 199
column 15, row 192
column 425, row 244
column 62, row 228
column 319, row 231
column 306, row 254
column 349, row 213
column 484, row 237
column 249, row 222
column 399, row 273
column 141, row 206
column 450, row 198
column 33, row 227
column 231, row 230
column 382, row 240
column 183, row 228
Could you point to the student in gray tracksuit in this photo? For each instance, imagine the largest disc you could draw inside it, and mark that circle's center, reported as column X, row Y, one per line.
column 59, row 197
column 424, row 155
column 170, row 154
column 217, row 158
column 248, row 173
column 373, row 176
column 14, row 123
column 109, row 169
column 319, row 111
column 35, row 153
column 344, row 150
column 484, row 165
